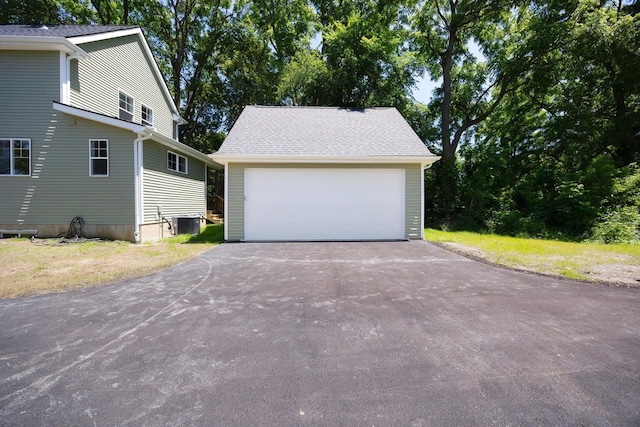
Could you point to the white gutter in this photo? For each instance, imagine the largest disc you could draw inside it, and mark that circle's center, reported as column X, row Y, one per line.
column 138, row 183
column 41, row 43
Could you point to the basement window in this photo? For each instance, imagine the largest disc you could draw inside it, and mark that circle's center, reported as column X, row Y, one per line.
column 176, row 162
column 98, row 157
column 15, row 156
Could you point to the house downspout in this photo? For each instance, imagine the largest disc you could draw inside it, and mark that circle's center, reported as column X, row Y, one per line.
column 138, row 192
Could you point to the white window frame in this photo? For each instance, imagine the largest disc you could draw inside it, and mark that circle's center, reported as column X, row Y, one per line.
column 175, row 167
column 148, row 114
column 126, row 110
column 92, row 157
column 12, row 155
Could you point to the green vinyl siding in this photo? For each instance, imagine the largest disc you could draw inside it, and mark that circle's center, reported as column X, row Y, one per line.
column 119, row 64
column 235, row 202
column 413, row 216
column 59, row 187
column 29, row 82
column 176, row 193
column 234, row 218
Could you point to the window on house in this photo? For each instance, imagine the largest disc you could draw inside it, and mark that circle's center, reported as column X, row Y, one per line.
column 15, row 157
column 176, row 162
column 99, row 157
column 126, row 107
column 147, row 115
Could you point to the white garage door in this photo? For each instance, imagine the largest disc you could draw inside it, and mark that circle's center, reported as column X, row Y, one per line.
column 324, row 204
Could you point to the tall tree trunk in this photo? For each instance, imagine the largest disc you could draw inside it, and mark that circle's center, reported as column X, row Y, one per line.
column 448, row 148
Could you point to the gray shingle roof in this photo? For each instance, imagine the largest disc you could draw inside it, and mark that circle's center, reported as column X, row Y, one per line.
column 65, row 31
column 322, row 132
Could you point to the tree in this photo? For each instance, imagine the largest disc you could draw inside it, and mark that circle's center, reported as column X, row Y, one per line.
column 513, row 36
column 361, row 59
column 548, row 157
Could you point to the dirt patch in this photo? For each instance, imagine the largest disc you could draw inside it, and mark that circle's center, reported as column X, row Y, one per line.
column 616, row 273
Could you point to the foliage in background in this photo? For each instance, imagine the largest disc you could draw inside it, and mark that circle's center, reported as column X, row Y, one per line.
column 620, row 220
column 546, row 161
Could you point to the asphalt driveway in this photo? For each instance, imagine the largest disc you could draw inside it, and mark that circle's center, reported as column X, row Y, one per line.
column 353, row 334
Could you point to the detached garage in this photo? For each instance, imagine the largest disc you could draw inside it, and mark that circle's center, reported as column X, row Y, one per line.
column 323, row 173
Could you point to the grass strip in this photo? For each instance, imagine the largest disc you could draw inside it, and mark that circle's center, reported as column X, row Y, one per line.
column 613, row 263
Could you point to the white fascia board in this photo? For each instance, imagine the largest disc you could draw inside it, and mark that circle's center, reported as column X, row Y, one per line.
column 423, row 160
column 99, row 118
column 103, row 36
column 42, row 43
column 129, row 32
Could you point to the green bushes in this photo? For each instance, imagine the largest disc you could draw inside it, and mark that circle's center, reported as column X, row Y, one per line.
column 621, row 225
column 620, row 222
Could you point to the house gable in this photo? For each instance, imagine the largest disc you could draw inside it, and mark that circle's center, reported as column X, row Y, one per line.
column 118, row 65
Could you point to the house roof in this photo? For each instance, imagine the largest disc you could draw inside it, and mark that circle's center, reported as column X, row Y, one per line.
column 322, row 133
column 65, row 31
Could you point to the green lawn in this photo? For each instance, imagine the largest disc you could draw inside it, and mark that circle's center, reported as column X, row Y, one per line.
column 618, row 263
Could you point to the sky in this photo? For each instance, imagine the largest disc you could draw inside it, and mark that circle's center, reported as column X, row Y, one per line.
column 424, row 87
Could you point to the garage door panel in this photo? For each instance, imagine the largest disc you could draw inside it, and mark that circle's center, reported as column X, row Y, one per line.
column 324, row 204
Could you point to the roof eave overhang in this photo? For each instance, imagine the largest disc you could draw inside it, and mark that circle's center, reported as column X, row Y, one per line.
column 139, row 130
column 425, row 161
column 59, row 44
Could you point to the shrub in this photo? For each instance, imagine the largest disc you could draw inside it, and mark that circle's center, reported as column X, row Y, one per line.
column 621, row 225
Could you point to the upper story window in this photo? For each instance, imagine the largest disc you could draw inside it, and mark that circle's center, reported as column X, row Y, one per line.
column 99, row 157
column 176, row 162
column 15, row 156
column 147, row 115
column 125, row 107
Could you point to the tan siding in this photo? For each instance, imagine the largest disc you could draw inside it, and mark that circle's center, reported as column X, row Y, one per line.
column 176, row 193
column 235, row 217
column 119, row 64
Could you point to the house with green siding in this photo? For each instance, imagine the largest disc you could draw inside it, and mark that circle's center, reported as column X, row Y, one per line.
column 89, row 129
column 323, row 173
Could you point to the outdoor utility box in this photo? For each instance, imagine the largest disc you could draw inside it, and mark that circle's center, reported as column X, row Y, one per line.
column 186, row 224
